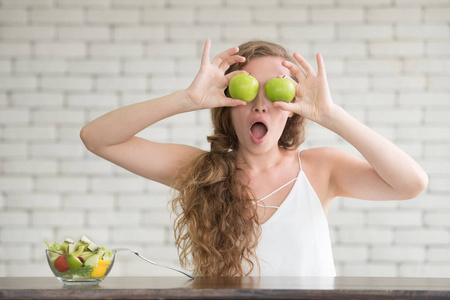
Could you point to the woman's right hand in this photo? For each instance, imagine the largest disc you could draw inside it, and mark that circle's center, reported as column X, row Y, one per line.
column 207, row 89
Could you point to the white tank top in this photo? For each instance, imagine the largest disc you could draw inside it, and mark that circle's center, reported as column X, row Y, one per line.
column 295, row 241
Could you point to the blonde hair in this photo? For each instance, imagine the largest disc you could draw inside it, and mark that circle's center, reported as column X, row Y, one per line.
column 216, row 227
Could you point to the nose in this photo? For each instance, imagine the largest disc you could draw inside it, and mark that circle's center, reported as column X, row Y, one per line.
column 260, row 103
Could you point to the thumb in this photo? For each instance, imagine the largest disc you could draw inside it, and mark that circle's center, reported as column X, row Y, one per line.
column 284, row 105
column 230, row 102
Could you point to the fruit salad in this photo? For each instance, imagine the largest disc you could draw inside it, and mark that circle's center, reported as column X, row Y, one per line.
column 83, row 259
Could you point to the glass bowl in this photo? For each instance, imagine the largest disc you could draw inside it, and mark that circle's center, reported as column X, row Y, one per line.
column 73, row 278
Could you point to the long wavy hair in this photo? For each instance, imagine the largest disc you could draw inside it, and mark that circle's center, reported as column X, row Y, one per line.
column 216, row 226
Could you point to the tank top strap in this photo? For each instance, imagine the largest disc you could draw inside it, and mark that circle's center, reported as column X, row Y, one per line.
column 281, row 187
column 299, row 160
column 278, row 189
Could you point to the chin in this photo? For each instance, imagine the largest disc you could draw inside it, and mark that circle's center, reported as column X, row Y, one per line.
column 259, row 149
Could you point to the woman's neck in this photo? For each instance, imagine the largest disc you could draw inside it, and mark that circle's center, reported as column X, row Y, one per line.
column 260, row 162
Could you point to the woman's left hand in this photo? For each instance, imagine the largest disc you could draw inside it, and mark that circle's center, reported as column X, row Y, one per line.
column 312, row 97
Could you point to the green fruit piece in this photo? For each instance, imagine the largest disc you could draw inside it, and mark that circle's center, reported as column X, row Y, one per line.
column 65, row 245
column 84, row 241
column 243, row 86
column 81, row 245
column 78, row 250
column 92, row 261
column 280, row 89
column 85, row 255
column 73, row 262
column 93, row 247
column 71, row 248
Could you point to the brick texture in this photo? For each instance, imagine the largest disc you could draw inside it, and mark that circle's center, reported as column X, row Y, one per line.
column 65, row 62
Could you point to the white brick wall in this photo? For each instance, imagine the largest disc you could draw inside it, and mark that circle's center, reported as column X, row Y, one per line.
column 65, row 62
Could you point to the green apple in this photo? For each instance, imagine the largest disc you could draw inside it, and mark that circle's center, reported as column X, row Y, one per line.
column 92, row 261
column 280, row 89
column 73, row 262
column 243, row 86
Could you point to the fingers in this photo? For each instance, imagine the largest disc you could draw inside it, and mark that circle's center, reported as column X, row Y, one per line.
column 226, row 63
column 206, row 51
column 308, row 70
column 320, row 65
column 305, row 65
column 224, row 101
column 231, row 102
column 296, row 70
column 285, row 106
column 223, row 59
column 223, row 56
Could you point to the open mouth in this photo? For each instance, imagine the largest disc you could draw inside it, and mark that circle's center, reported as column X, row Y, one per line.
column 258, row 130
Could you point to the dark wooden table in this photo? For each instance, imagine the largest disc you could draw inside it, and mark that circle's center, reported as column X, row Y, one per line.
column 230, row 287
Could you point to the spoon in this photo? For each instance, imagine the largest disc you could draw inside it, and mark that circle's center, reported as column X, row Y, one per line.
column 153, row 263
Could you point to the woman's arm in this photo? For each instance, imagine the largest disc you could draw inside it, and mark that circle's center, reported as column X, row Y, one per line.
column 387, row 174
column 112, row 136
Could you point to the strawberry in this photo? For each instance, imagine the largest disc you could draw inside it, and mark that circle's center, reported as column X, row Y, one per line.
column 61, row 263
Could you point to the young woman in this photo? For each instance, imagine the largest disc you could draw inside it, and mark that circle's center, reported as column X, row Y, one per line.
column 254, row 204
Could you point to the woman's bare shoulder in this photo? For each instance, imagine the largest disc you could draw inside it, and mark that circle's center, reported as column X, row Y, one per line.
column 318, row 164
column 320, row 153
